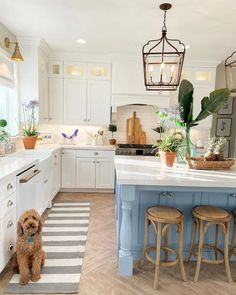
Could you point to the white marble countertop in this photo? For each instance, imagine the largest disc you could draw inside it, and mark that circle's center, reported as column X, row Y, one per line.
column 13, row 165
column 54, row 146
column 140, row 170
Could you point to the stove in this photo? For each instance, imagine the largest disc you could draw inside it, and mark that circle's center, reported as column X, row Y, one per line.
column 134, row 149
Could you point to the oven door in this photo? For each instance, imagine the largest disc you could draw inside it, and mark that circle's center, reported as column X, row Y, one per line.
column 26, row 189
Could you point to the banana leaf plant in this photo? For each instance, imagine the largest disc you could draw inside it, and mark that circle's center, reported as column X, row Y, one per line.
column 209, row 105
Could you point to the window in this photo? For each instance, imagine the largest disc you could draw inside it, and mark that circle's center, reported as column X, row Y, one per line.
column 9, row 108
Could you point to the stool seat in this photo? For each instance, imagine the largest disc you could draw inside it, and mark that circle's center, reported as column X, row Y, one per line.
column 164, row 213
column 210, row 213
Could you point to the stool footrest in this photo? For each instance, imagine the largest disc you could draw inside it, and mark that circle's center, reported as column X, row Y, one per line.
column 162, row 263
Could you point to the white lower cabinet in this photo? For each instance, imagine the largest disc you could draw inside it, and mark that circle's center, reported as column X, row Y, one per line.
column 85, row 173
column 68, row 169
column 105, row 173
column 55, row 174
column 88, row 169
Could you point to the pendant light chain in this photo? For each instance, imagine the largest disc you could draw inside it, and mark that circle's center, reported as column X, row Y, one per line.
column 164, row 28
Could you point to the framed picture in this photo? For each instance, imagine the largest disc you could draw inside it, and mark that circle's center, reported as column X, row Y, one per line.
column 226, row 149
column 227, row 108
column 223, row 127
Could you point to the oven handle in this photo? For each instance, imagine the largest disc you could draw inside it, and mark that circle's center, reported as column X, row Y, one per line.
column 27, row 178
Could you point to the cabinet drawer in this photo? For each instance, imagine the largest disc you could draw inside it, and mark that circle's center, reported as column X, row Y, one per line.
column 7, row 205
column 7, row 238
column 7, row 187
column 95, row 154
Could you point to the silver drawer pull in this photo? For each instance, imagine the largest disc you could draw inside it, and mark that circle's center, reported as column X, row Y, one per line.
column 233, row 195
column 10, row 248
column 95, row 153
column 9, row 186
column 10, row 203
column 9, row 224
column 167, row 194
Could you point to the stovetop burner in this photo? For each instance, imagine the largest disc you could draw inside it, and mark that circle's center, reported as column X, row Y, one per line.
column 134, row 149
column 134, row 146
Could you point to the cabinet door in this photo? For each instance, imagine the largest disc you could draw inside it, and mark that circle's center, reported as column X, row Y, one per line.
column 85, row 172
column 55, row 174
column 55, row 100
column 99, row 102
column 105, row 173
column 68, row 169
column 75, row 70
column 75, row 101
column 43, row 98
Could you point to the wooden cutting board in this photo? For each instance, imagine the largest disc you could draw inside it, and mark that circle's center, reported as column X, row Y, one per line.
column 135, row 134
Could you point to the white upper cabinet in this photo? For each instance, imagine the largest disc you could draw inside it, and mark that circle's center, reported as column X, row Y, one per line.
column 55, row 68
column 76, row 70
column 75, row 101
column 55, row 100
column 43, row 98
column 99, row 71
column 99, row 102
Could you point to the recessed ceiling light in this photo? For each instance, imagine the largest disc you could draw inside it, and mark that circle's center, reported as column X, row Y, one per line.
column 186, row 46
column 81, row 41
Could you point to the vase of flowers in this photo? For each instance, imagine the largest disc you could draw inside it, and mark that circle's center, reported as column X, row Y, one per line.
column 209, row 105
column 29, row 129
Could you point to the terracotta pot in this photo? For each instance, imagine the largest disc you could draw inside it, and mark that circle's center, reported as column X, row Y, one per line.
column 112, row 141
column 168, row 158
column 29, row 142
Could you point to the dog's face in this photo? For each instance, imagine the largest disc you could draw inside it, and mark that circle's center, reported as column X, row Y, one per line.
column 29, row 223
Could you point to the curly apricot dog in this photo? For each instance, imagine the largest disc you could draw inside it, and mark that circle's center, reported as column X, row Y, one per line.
column 29, row 252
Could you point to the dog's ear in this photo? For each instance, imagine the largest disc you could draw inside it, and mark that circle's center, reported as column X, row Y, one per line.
column 40, row 226
column 19, row 229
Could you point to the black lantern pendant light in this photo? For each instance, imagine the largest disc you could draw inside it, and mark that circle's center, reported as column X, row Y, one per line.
column 163, row 60
column 230, row 72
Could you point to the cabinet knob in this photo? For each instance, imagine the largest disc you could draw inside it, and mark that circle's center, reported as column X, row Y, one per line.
column 167, row 194
column 10, row 248
column 55, row 163
column 45, row 181
column 97, row 162
column 9, row 186
column 9, row 203
column 85, row 120
column 96, row 153
column 233, row 195
column 94, row 162
column 88, row 120
column 9, row 224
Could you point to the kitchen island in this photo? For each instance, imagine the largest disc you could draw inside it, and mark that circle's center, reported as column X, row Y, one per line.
column 142, row 182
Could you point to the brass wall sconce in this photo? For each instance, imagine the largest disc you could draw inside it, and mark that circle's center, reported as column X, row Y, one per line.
column 16, row 56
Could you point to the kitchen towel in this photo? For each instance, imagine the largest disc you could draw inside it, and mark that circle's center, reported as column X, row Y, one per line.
column 64, row 238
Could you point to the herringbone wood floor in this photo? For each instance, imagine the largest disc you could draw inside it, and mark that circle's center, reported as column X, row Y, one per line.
column 99, row 275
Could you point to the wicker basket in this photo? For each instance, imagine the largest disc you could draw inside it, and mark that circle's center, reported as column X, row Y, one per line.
column 200, row 164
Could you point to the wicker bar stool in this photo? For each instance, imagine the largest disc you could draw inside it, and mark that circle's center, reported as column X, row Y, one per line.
column 161, row 218
column 203, row 218
column 233, row 242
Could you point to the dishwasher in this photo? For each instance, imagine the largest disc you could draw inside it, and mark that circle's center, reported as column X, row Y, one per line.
column 26, row 189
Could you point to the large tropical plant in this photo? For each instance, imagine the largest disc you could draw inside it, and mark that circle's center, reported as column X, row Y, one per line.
column 209, row 105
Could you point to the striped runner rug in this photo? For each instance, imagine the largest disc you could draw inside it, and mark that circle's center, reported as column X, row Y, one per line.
column 64, row 238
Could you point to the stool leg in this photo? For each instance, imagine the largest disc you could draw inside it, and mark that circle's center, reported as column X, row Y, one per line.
column 146, row 238
column 194, row 230
column 216, row 241
column 233, row 238
column 158, row 255
column 166, row 245
column 226, row 253
column 199, row 254
column 180, row 250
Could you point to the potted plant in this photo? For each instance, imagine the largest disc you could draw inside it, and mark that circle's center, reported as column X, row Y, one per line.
column 167, row 149
column 112, row 128
column 4, row 136
column 29, row 130
column 209, row 106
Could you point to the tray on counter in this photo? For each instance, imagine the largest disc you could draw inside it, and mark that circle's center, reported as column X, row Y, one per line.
column 199, row 164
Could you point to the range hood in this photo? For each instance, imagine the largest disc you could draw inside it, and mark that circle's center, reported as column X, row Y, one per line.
column 160, row 100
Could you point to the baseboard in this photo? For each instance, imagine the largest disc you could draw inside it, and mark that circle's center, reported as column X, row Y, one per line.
column 77, row 190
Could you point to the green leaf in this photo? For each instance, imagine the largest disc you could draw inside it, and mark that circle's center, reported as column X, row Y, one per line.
column 3, row 123
column 213, row 103
column 185, row 100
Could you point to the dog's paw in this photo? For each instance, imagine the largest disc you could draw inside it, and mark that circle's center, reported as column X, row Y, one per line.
column 24, row 280
column 35, row 277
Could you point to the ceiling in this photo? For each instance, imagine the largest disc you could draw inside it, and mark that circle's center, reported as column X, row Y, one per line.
column 123, row 26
